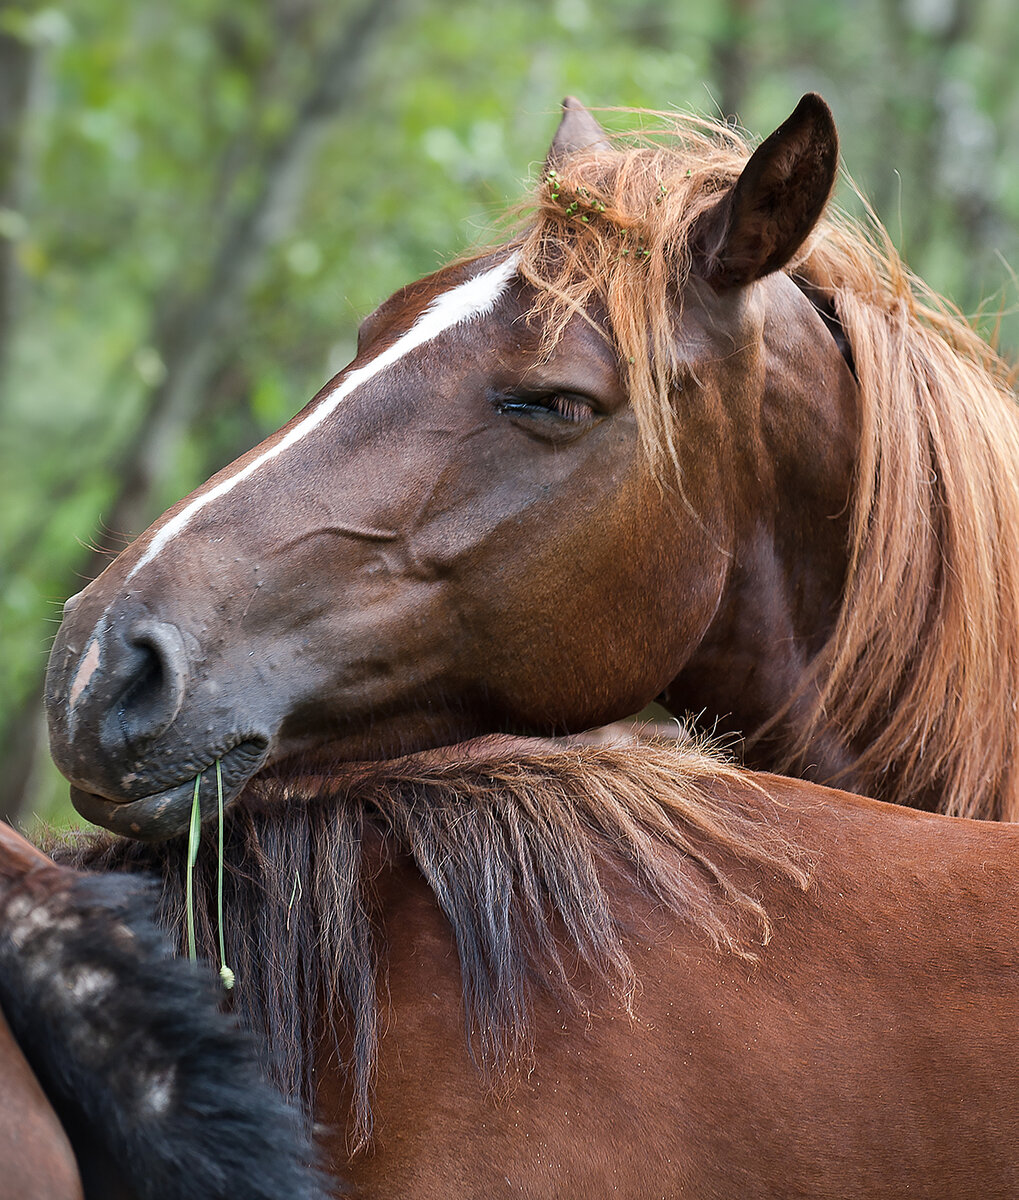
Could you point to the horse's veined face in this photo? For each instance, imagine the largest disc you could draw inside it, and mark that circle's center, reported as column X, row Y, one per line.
column 456, row 536
column 460, row 534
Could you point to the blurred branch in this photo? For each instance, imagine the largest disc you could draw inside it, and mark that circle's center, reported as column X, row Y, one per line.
column 731, row 52
column 190, row 339
column 925, row 72
column 17, row 61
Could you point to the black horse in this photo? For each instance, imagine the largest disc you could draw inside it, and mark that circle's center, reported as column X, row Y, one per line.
column 157, row 1092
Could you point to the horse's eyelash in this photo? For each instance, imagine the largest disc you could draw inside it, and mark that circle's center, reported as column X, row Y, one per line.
column 562, row 404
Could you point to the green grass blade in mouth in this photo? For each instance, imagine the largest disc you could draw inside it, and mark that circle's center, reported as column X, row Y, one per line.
column 225, row 973
column 194, row 834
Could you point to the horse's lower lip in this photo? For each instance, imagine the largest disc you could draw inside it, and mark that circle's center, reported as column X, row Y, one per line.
column 167, row 813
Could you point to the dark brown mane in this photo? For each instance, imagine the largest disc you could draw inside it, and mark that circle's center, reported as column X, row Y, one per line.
column 521, row 853
column 929, row 627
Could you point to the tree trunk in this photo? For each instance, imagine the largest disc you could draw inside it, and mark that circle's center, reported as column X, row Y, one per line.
column 17, row 60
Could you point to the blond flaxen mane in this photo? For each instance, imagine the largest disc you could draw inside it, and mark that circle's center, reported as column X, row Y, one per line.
column 921, row 675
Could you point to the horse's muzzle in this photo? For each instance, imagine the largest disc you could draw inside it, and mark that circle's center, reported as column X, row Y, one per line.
column 166, row 814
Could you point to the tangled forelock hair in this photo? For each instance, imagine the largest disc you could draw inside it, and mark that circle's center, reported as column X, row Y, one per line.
column 615, row 226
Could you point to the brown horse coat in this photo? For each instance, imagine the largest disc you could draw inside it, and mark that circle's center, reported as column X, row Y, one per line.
column 36, row 1159
column 871, row 1052
column 855, row 1039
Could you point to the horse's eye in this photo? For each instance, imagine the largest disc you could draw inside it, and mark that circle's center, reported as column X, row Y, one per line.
column 570, row 408
column 564, row 405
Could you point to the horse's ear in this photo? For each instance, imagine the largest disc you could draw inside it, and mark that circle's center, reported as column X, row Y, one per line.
column 578, row 130
column 765, row 217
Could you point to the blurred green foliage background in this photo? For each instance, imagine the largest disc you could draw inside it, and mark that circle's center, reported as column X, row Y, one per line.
column 200, row 200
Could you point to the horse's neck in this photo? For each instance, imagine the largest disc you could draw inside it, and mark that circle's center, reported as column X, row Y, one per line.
column 752, row 671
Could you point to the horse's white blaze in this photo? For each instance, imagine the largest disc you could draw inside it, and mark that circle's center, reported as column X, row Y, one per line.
column 86, row 669
column 474, row 298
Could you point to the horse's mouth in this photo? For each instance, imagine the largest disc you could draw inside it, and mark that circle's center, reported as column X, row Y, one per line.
column 167, row 813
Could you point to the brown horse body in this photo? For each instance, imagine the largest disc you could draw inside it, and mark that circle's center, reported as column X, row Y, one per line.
column 866, row 1049
column 35, row 1156
column 870, row 1052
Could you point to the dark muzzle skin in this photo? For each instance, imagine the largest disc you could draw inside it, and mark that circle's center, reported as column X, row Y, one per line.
column 115, row 689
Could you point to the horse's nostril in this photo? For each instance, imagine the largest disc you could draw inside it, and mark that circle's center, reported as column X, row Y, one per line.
column 155, row 679
column 150, row 673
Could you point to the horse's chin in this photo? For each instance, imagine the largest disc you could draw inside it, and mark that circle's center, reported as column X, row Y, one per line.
column 167, row 813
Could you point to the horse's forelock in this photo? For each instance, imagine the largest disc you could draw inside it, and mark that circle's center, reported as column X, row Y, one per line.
column 617, row 225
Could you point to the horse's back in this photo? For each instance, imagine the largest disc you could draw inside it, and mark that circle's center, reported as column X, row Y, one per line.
column 36, row 1160
column 868, row 1052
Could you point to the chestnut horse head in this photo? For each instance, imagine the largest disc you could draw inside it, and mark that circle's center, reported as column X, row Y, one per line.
column 682, row 437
